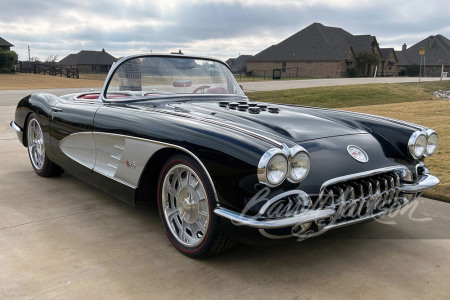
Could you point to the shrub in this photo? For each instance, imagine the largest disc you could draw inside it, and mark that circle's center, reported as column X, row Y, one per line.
column 413, row 70
column 6, row 71
column 351, row 72
column 402, row 72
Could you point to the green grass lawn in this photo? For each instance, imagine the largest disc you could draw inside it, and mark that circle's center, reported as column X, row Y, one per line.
column 390, row 100
column 353, row 95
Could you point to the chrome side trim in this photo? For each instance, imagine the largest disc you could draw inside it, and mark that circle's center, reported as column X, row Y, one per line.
column 425, row 182
column 305, row 216
column 107, row 142
column 15, row 126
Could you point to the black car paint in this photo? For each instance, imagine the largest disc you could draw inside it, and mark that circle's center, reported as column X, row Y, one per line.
column 231, row 158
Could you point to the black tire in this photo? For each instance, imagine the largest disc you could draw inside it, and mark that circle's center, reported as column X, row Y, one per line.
column 41, row 164
column 186, row 205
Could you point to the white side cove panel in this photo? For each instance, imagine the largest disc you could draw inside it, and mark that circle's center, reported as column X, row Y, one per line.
column 119, row 157
column 122, row 158
column 80, row 147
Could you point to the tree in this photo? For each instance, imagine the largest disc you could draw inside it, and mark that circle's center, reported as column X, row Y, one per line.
column 51, row 60
column 368, row 59
column 8, row 59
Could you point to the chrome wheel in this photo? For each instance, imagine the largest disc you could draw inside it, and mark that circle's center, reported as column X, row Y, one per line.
column 36, row 147
column 185, row 205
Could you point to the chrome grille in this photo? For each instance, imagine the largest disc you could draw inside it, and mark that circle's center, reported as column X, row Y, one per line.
column 361, row 198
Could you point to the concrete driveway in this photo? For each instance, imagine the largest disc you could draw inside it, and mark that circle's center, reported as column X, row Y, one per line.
column 60, row 238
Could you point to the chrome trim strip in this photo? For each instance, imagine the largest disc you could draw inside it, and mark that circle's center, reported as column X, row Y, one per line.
column 306, row 216
column 222, row 124
column 114, row 167
column 119, row 147
column 15, row 126
column 115, row 156
column 425, row 182
column 117, row 179
column 366, row 218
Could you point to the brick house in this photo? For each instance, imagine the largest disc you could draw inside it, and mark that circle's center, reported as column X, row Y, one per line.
column 317, row 51
column 437, row 53
column 238, row 64
column 89, row 61
column 389, row 62
column 5, row 45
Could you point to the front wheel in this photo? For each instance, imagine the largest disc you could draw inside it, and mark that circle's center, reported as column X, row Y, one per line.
column 186, row 202
column 36, row 150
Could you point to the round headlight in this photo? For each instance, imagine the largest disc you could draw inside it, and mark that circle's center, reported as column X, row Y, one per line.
column 417, row 144
column 299, row 167
column 277, row 169
column 432, row 143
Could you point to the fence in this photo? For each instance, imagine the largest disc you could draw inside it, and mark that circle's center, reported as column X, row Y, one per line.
column 53, row 70
column 291, row 72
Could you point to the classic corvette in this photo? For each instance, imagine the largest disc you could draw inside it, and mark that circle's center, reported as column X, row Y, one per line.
column 179, row 131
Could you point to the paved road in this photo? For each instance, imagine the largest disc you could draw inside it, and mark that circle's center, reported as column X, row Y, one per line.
column 60, row 238
column 273, row 85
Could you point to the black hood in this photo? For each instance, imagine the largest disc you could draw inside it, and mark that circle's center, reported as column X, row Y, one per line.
column 296, row 124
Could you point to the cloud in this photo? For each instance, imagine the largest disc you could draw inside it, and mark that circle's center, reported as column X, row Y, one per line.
column 222, row 28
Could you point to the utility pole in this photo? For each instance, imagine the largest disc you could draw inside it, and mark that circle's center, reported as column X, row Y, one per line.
column 29, row 53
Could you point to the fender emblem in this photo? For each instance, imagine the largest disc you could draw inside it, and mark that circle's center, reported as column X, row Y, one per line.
column 131, row 164
column 357, row 153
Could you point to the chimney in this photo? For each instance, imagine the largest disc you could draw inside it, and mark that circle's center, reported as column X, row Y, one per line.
column 404, row 47
column 431, row 41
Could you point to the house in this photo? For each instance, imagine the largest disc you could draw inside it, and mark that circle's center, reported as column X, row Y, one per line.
column 389, row 62
column 238, row 64
column 5, row 45
column 319, row 51
column 89, row 61
column 437, row 54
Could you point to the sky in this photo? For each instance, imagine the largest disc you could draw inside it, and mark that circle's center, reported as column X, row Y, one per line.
column 216, row 28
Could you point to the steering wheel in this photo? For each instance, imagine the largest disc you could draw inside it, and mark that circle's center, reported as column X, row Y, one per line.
column 201, row 88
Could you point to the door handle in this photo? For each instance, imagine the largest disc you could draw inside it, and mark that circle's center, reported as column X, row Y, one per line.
column 55, row 109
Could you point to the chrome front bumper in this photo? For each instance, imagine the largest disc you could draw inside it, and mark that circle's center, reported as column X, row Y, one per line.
column 15, row 126
column 406, row 189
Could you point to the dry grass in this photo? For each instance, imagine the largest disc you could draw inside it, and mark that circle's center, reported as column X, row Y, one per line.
column 22, row 81
column 436, row 115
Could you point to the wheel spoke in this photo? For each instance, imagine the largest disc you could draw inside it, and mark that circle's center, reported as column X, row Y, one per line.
column 185, row 205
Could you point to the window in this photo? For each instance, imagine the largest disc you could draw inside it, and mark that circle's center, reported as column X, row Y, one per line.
column 283, row 66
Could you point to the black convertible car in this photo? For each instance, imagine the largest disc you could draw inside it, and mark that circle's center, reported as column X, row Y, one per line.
column 178, row 130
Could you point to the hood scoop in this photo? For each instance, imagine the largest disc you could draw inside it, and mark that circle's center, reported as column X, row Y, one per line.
column 252, row 108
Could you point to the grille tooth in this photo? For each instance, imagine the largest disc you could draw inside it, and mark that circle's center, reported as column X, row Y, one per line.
column 362, row 197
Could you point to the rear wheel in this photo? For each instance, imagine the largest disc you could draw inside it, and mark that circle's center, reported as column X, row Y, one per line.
column 186, row 202
column 36, row 150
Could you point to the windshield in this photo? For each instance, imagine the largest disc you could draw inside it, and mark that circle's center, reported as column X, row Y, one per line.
column 156, row 76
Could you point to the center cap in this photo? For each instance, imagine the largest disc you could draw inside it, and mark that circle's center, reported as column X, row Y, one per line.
column 188, row 205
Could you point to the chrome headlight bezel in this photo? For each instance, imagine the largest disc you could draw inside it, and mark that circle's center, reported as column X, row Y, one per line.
column 264, row 163
column 288, row 154
column 418, row 139
column 295, row 153
column 432, row 142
